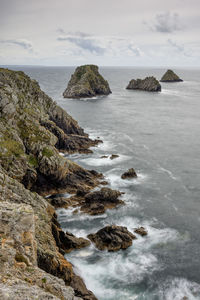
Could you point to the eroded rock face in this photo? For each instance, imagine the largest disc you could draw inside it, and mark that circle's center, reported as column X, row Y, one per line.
column 32, row 130
column 97, row 202
column 129, row 174
column 150, row 84
column 170, row 76
column 112, row 238
column 86, row 82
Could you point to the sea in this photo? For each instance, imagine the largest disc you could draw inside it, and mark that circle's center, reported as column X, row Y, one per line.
column 158, row 134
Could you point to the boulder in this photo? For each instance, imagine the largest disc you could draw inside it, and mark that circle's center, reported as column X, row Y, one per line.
column 150, row 84
column 141, row 231
column 98, row 201
column 170, row 76
column 113, row 156
column 129, row 174
column 86, row 82
column 112, row 238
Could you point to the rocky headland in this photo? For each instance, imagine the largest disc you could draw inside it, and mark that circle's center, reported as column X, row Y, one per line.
column 170, row 76
column 86, row 82
column 149, row 84
column 33, row 130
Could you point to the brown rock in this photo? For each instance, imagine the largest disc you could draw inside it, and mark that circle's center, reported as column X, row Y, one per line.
column 129, row 174
column 141, row 230
column 112, row 238
column 113, row 156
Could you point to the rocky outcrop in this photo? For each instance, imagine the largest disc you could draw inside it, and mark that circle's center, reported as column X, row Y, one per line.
column 112, row 238
column 141, row 231
column 129, row 174
column 32, row 130
column 66, row 241
column 150, row 84
column 30, row 126
column 97, row 202
column 86, row 82
column 170, row 76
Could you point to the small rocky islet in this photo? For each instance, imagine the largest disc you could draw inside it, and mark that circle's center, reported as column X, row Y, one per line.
column 170, row 76
column 86, row 82
column 149, row 84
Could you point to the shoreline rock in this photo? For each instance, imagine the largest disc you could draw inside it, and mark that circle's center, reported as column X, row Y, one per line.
column 129, row 174
column 112, row 238
column 170, row 76
column 86, row 82
column 149, row 84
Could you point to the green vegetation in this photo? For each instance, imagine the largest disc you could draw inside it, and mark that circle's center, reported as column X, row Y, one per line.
column 47, row 152
column 10, row 147
column 32, row 160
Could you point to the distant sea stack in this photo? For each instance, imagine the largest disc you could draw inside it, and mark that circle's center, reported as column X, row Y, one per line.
column 86, row 82
column 150, row 84
column 170, row 76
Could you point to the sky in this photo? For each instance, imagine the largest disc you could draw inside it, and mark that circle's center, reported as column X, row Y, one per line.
column 102, row 32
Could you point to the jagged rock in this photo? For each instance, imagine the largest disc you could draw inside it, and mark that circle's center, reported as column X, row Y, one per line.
column 129, row 174
column 97, row 202
column 112, row 238
column 86, row 82
column 104, row 156
column 141, row 231
column 66, row 241
column 113, row 156
column 170, row 76
column 150, row 84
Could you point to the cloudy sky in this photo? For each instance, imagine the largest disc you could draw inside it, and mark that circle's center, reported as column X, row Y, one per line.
column 104, row 32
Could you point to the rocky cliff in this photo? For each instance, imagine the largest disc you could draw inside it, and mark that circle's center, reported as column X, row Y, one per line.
column 33, row 129
column 86, row 82
column 170, row 76
column 150, row 84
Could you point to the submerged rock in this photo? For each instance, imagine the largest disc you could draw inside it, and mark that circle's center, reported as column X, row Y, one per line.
column 113, row 156
column 150, row 84
column 86, row 82
column 112, row 238
column 141, row 231
column 97, row 202
column 129, row 174
column 170, row 76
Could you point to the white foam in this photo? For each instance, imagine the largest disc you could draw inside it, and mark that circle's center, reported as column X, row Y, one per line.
column 178, row 288
column 171, row 175
column 104, row 161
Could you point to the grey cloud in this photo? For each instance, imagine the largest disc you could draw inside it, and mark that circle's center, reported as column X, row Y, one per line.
column 166, row 22
column 27, row 45
column 84, row 41
column 180, row 48
column 135, row 50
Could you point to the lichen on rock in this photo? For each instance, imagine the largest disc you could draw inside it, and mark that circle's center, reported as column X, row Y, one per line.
column 86, row 82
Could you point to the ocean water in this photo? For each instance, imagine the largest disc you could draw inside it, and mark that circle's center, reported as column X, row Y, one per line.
column 158, row 135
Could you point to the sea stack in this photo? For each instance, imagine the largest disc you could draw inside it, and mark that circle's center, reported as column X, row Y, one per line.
column 150, row 84
column 86, row 82
column 170, row 76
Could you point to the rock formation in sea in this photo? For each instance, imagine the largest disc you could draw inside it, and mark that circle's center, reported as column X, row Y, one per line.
column 141, row 231
column 112, row 238
column 150, row 84
column 170, row 76
column 86, row 82
column 129, row 174
column 33, row 130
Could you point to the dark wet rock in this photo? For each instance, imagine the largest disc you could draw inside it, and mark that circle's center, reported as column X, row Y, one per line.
column 129, row 174
column 58, row 201
column 141, row 231
column 98, row 201
column 150, row 84
column 86, row 82
column 104, row 156
column 112, row 238
column 66, row 241
column 170, row 76
column 113, row 156
column 82, row 191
